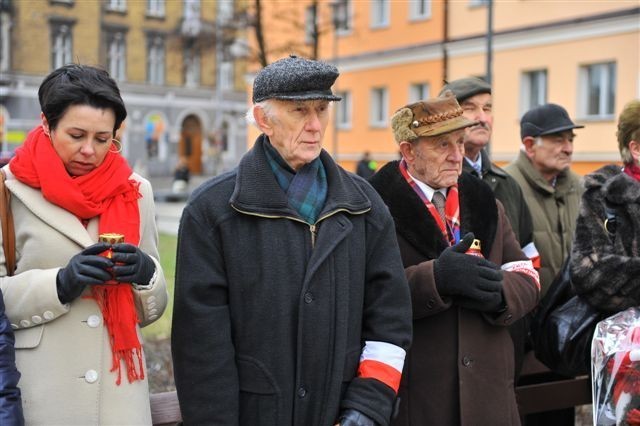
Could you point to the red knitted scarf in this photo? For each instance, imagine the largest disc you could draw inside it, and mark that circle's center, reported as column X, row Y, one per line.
column 107, row 192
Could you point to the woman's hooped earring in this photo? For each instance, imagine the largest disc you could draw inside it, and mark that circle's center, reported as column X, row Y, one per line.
column 118, row 145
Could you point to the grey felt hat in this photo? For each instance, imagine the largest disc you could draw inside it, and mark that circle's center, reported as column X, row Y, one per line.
column 464, row 88
column 295, row 78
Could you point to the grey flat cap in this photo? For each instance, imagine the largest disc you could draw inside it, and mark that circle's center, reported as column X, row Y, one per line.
column 295, row 78
column 464, row 88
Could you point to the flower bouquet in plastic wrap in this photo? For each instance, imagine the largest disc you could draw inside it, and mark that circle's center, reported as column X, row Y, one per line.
column 615, row 355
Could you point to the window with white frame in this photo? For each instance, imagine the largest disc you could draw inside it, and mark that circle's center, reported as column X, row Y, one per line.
column 191, row 66
column 5, row 45
column 475, row 3
column 379, row 13
column 341, row 16
column 117, row 55
column 419, row 9
column 155, row 59
column 156, row 8
column 310, row 23
column 226, row 75
column 117, row 5
column 598, row 90
column 418, row 92
column 379, row 110
column 343, row 110
column 61, row 45
column 533, row 89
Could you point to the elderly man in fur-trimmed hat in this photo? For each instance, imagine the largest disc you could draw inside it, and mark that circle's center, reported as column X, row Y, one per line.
column 459, row 370
column 291, row 303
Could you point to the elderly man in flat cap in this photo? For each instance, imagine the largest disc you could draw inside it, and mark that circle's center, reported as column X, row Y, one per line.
column 291, row 303
column 460, row 368
column 551, row 189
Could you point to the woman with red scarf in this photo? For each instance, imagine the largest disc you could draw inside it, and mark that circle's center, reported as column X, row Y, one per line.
column 76, row 304
column 605, row 258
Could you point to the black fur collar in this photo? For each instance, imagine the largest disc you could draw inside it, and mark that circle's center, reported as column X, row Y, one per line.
column 478, row 211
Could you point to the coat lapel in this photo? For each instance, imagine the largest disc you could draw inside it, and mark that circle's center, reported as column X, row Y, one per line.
column 56, row 217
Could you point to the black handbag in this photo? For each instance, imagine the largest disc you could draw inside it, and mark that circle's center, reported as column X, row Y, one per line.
column 563, row 326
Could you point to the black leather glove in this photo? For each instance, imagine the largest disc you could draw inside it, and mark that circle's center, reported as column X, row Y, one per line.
column 132, row 265
column 472, row 281
column 85, row 268
column 351, row 417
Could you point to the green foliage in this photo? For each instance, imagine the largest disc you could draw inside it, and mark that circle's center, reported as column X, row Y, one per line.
column 161, row 329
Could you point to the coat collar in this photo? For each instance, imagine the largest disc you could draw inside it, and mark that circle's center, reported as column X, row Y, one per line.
column 58, row 218
column 478, row 211
column 617, row 187
column 257, row 191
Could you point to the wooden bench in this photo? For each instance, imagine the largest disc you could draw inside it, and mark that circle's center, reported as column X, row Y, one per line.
column 532, row 398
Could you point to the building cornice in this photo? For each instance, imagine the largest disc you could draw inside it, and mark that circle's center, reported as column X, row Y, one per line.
column 614, row 23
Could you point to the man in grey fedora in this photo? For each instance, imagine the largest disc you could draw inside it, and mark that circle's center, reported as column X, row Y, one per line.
column 291, row 304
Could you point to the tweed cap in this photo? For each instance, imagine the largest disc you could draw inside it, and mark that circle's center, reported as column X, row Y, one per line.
column 431, row 117
column 464, row 88
column 295, row 78
column 546, row 120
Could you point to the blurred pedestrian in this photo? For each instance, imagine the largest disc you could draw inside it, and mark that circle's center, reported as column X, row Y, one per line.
column 181, row 175
column 461, row 365
column 291, row 304
column 366, row 166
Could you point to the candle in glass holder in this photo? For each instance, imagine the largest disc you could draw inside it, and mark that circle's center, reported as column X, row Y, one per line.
column 110, row 238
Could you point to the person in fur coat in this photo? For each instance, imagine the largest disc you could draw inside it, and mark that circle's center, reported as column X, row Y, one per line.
column 460, row 368
column 605, row 259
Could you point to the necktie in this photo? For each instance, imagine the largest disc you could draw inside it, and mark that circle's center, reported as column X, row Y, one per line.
column 438, row 201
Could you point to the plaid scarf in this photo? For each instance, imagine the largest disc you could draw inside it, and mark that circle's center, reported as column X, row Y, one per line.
column 306, row 190
column 450, row 229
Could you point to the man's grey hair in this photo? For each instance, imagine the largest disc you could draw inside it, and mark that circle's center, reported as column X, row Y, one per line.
column 266, row 106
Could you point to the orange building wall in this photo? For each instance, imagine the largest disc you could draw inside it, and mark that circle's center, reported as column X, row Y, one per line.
column 472, row 20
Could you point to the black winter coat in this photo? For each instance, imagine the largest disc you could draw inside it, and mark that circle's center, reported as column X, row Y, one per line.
column 10, row 398
column 271, row 313
column 605, row 268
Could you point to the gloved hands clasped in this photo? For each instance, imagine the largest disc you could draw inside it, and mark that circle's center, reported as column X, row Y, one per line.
column 471, row 281
column 351, row 417
column 128, row 264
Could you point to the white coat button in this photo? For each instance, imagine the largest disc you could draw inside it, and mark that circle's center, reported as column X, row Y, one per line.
column 48, row 315
column 93, row 321
column 153, row 311
column 151, row 305
column 25, row 323
column 14, row 326
column 36, row 319
column 152, row 317
column 151, row 299
column 91, row 376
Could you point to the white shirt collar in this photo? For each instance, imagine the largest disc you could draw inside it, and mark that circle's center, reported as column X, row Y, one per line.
column 426, row 189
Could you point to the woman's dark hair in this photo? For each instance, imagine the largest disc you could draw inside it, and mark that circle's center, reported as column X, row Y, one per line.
column 76, row 84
